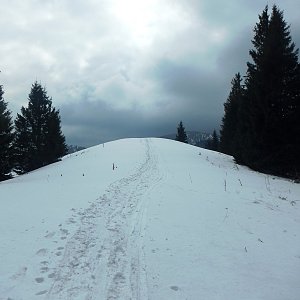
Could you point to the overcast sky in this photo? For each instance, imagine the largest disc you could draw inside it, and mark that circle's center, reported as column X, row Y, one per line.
column 129, row 68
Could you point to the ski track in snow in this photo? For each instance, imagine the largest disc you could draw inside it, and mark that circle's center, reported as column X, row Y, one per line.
column 105, row 255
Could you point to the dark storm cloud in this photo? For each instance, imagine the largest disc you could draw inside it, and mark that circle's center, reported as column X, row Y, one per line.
column 92, row 122
column 193, row 91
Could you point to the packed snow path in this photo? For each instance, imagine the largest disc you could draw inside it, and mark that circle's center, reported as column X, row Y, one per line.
column 170, row 221
column 105, row 255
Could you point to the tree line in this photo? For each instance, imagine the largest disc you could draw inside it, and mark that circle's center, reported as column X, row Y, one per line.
column 261, row 124
column 34, row 139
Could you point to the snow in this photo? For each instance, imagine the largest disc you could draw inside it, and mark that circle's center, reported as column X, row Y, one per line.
column 171, row 221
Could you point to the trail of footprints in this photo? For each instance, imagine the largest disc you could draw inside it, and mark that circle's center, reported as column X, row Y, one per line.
column 72, row 248
column 51, row 257
column 68, row 257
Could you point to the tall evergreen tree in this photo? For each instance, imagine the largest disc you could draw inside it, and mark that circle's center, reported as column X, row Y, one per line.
column 56, row 146
column 181, row 134
column 269, row 115
column 228, row 132
column 39, row 140
column 6, row 139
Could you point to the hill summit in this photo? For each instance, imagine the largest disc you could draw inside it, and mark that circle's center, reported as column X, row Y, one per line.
column 149, row 219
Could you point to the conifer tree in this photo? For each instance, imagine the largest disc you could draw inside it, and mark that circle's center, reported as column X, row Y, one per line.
column 181, row 134
column 269, row 114
column 56, row 146
column 229, row 127
column 6, row 139
column 39, row 140
column 213, row 142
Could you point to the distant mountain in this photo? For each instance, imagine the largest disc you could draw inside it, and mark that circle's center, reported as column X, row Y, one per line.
column 195, row 138
column 74, row 148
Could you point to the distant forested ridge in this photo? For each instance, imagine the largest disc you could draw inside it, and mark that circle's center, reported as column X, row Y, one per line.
column 195, row 138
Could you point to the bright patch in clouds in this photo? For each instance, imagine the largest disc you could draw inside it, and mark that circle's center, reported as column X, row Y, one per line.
column 137, row 17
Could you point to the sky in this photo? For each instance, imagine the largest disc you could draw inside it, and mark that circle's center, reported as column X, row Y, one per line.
column 129, row 68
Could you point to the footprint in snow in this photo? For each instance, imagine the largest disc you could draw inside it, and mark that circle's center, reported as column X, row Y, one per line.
column 50, row 235
column 52, row 275
column 39, row 279
column 71, row 221
column 41, row 293
column 119, row 278
column 64, row 231
column 42, row 252
column 44, row 269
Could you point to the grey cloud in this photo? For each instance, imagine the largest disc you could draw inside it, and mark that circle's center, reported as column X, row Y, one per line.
column 235, row 55
column 91, row 122
column 197, row 94
column 110, row 81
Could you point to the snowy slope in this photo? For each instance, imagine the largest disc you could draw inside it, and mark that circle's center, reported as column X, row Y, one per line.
column 172, row 221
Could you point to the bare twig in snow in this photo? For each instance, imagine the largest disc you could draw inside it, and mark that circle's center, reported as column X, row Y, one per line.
column 226, row 216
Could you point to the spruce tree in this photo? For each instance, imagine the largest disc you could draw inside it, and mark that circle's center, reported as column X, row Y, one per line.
column 250, row 114
column 56, row 146
column 181, row 134
column 213, row 143
column 6, row 139
column 229, row 127
column 269, row 114
column 39, row 140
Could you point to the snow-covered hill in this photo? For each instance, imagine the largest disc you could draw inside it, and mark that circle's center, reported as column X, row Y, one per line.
column 170, row 221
